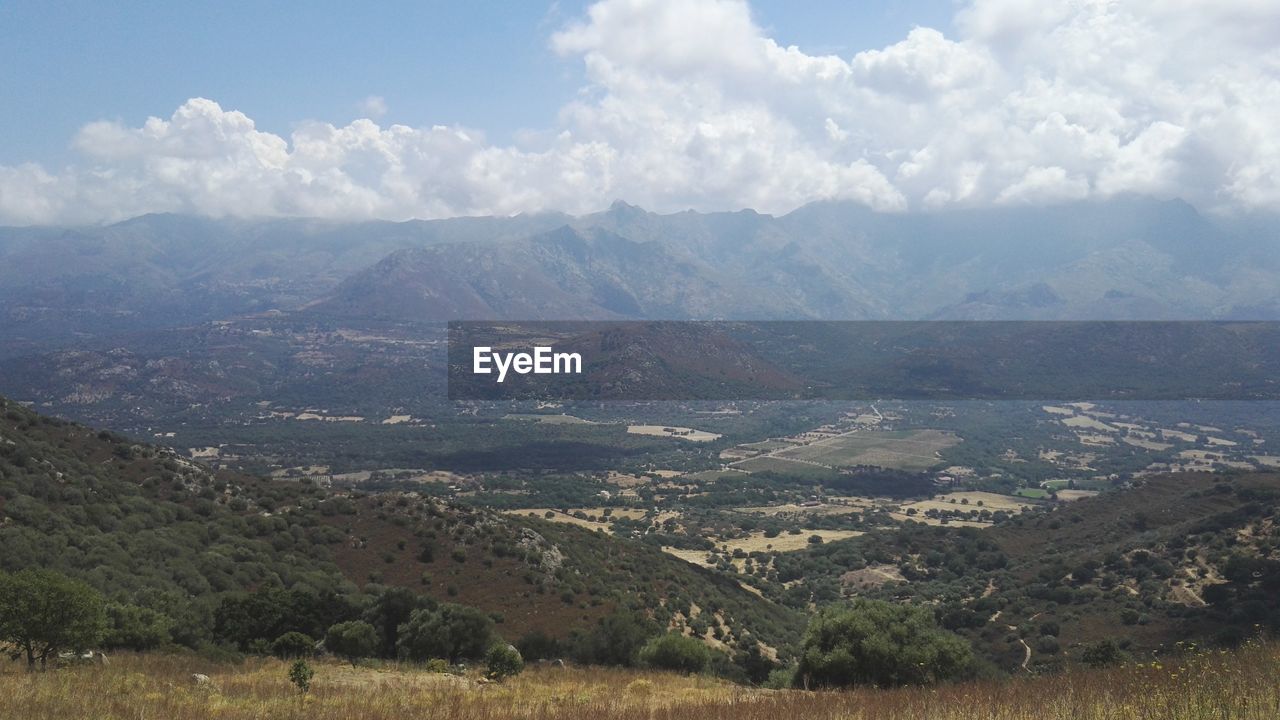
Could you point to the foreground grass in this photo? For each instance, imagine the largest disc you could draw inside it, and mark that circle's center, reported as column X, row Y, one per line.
column 1244, row 685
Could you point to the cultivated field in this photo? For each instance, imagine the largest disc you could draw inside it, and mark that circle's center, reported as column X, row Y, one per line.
column 901, row 449
column 1240, row 686
column 970, row 501
column 783, row 466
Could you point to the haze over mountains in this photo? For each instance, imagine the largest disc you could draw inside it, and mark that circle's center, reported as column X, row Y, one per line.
column 1127, row 258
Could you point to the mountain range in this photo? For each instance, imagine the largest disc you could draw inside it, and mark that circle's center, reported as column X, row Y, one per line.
column 1126, row 258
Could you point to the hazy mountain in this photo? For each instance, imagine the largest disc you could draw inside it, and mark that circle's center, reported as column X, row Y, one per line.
column 60, row 284
column 1128, row 258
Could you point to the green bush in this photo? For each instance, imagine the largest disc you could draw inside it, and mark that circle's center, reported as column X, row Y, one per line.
column 131, row 627
column 537, row 645
column 1103, row 654
column 616, row 640
column 351, row 640
column 675, row 652
column 872, row 642
column 452, row 632
column 781, row 678
column 293, row 645
column 300, row 674
column 503, row 661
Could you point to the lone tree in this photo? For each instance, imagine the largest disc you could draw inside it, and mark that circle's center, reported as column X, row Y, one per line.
column 351, row 640
column 872, row 642
column 43, row 613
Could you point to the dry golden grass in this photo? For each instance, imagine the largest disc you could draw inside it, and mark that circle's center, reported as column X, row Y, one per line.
column 1240, row 686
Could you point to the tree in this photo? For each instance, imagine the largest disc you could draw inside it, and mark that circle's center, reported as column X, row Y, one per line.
column 616, row 640
column 677, row 653
column 136, row 628
column 755, row 664
column 43, row 612
column 351, row 640
column 453, row 632
column 503, row 661
column 293, row 644
column 388, row 611
column 879, row 643
column 537, row 645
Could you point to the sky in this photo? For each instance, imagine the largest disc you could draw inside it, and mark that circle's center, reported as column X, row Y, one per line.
column 400, row 110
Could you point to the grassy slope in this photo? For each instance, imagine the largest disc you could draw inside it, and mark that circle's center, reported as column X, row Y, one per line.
column 1238, row 685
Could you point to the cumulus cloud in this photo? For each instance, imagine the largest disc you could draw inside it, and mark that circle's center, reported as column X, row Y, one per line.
column 689, row 103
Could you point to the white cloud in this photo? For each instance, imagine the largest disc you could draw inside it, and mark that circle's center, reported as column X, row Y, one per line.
column 690, row 104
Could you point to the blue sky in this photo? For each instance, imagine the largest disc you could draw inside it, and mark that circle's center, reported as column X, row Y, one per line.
column 399, row 110
column 485, row 64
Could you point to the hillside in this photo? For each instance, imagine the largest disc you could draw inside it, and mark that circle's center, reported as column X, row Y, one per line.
column 1190, row 557
column 149, row 528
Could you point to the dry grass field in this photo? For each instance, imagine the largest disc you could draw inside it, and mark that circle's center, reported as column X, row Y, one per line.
column 671, row 431
column 989, row 501
column 784, row 542
column 1205, row 686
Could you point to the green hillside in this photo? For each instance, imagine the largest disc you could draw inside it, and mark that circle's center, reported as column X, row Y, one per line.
column 152, row 530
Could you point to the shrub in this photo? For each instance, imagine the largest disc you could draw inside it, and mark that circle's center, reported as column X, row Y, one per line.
column 136, row 628
column 879, row 643
column 537, row 645
column 616, row 640
column 300, row 674
column 677, row 653
column 1103, row 654
column 293, row 645
column 781, row 678
column 503, row 661
column 351, row 640
column 1048, row 645
column 453, row 632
